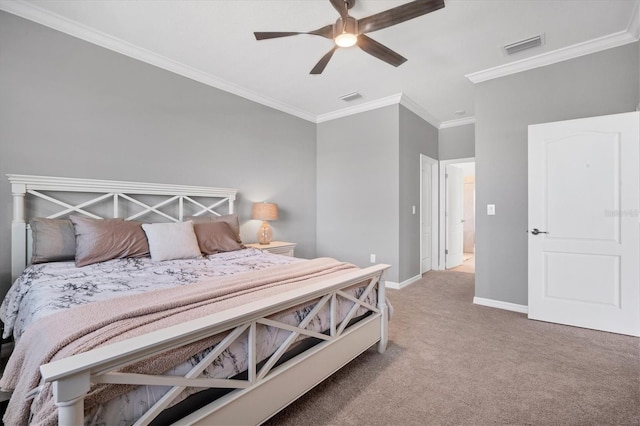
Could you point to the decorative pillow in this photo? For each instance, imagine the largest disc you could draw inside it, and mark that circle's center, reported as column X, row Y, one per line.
column 216, row 237
column 169, row 241
column 231, row 219
column 54, row 240
column 98, row 240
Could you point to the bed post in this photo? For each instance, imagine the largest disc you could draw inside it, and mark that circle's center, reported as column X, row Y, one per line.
column 69, row 394
column 384, row 321
column 232, row 199
column 18, row 231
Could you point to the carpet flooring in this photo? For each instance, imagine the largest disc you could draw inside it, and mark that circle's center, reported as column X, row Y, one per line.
column 450, row 362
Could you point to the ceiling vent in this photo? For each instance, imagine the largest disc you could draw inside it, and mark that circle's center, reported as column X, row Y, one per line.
column 351, row 96
column 521, row 45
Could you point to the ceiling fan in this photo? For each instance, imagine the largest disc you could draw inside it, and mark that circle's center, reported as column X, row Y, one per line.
column 348, row 31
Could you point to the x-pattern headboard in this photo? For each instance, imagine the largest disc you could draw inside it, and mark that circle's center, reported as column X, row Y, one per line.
column 106, row 191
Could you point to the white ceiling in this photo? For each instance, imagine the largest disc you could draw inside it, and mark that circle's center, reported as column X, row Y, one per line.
column 212, row 41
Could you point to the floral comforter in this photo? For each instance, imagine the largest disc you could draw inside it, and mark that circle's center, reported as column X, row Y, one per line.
column 47, row 288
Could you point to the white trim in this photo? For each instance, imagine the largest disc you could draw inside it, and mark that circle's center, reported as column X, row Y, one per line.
column 403, row 284
column 363, row 107
column 634, row 21
column 570, row 52
column 52, row 20
column 435, row 240
column 457, row 122
column 398, row 98
column 507, row 306
column 412, row 106
column 443, row 193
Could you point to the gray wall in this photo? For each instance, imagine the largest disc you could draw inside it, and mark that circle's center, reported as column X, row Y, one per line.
column 70, row 108
column 368, row 180
column 416, row 137
column 358, row 182
column 597, row 84
column 457, row 142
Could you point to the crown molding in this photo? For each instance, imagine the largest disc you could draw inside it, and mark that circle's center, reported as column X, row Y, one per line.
column 630, row 35
column 634, row 21
column 363, row 107
column 83, row 32
column 408, row 103
column 457, row 122
column 399, row 98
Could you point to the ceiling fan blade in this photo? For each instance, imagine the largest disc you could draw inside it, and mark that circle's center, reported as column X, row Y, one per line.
column 380, row 51
column 322, row 63
column 273, row 34
column 398, row 14
column 340, row 6
column 326, row 31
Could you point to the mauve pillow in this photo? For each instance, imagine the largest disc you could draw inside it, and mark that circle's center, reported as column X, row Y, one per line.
column 216, row 237
column 230, row 219
column 98, row 240
column 168, row 241
column 54, row 240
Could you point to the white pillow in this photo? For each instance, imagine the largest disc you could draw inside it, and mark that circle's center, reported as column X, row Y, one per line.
column 169, row 241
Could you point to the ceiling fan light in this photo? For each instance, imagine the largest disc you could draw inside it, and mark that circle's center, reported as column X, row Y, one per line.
column 346, row 39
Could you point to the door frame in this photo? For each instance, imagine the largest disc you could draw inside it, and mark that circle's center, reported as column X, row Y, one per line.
column 435, row 258
column 443, row 199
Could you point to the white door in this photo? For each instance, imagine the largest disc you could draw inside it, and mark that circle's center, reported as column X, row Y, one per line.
column 454, row 216
column 426, row 262
column 584, row 225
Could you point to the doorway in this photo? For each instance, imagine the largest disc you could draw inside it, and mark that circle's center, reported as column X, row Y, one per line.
column 428, row 214
column 457, row 230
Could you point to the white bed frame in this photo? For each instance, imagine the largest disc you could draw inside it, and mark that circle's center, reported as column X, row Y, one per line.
column 269, row 388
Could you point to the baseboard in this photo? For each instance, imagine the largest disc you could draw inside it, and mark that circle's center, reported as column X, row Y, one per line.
column 523, row 309
column 403, row 284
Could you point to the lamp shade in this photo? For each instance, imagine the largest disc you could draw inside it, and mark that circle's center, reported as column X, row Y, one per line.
column 264, row 211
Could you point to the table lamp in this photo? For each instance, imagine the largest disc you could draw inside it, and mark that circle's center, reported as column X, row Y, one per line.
column 264, row 212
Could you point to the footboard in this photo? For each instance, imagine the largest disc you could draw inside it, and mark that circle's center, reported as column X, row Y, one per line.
column 269, row 387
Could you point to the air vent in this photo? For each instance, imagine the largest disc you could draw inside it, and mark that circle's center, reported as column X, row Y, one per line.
column 521, row 45
column 351, row 96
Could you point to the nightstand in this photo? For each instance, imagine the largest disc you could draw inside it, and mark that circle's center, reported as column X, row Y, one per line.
column 277, row 247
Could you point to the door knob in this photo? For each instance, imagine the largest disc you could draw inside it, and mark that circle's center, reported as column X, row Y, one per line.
column 536, row 231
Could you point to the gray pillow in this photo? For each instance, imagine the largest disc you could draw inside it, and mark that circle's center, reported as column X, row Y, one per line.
column 99, row 240
column 216, row 237
column 54, row 240
column 231, row 219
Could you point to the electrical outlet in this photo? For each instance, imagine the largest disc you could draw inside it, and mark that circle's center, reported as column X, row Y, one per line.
column 491, row 209
column 372, row 258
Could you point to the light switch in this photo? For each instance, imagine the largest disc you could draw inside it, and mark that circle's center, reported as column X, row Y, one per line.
column 491, row 209
column 414, row 209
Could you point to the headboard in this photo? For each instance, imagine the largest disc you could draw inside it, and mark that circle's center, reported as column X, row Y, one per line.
column 170, row 202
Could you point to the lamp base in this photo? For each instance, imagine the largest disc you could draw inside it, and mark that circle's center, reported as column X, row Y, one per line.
column 264, row 233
